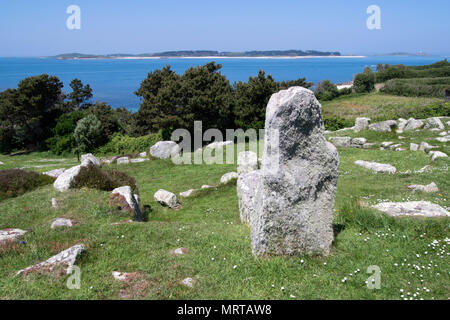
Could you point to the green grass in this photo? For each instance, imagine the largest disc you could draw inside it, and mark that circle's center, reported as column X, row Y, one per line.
column 209, row 226
column 376, row 106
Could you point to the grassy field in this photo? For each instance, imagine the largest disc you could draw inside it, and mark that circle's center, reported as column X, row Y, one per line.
column 219, row 257
column 376, row 106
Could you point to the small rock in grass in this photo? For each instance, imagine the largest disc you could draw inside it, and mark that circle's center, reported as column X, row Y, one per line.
column 444, row 139
column 180, row 251
column 205, row 186
column 188, row 193
column 138, row 160
column 341, row 141
column 413, row 124
column 61, row 222
column 228, row 177
column 358, row 142
column 386, row 144
column 188, row 282
column 123, row 160
column 165, row 149
column 425, row 147
column 127, row 193
column 437, row 154
column 376, row 167
column 167, row 198
column 54, row 203
column 142, row 154
column 361, row 124
column 434, row 122
column 413, row 147
column 65, row 260
column 7, row 235
column 432, row 187
column 384, row 126
column 412, row 208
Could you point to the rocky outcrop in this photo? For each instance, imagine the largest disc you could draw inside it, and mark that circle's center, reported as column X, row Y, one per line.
column 299, row 176
column 61, row 222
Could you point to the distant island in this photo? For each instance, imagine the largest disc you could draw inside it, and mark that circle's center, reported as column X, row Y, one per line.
column 205, row 54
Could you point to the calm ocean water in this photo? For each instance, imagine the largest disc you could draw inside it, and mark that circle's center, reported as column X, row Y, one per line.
column 115, row 81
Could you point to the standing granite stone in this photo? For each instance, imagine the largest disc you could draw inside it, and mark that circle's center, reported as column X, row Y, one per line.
column 131, row 199
column 247, row 162
column 165, row 150
column 299, row 176
column 248, row 188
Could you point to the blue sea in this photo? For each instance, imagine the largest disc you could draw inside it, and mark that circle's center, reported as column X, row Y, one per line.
column 115, row 81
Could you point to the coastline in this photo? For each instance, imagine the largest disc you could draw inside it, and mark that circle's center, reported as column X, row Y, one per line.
column 209, row 57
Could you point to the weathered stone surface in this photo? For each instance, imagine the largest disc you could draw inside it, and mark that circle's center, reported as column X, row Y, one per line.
column 247, row 162
column 188, row 282
column 7, row 235
column 437, row 154
column 131, row 200
column 413, row 124
column 443, row 133
column 358, row 142
column 248, row 188
column 165, row 150
column 412, row 208
column 180, row 251
column 219, row 144
column 55, row 173
column 142, row 154
column 413, row 147
column 62, row 183
column 395, row 146
column 401, row 125
column 54, row 203
column 432, row 187
column 87, row 159
column 299, row 176
column 188, row 193
column 61, row 222
column 228, row 177
column 425, row 147
column 376, row 167
column 434, row 123
column 64, row 260
column 206, row 186
column 368, row 145
column 123, row 160
column 443, row 139
column 341, row 141
column 167, row 198
column 138, row 160
column 361, row 124
column 386, row 144
column 120, row 276
column 384, row 126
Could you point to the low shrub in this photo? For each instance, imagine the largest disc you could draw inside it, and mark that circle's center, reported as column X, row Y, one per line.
column 106, row 180
column 335, row 123
column 122, row 144
column 417, row 87
column 15, row 182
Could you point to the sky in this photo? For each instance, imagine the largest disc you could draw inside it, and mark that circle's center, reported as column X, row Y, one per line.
column 38, row 28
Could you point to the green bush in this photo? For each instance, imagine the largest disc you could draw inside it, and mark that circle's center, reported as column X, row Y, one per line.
column 122, row 144
column 334, row 123
column 88, row 133
column 417, row 87
column 15, row 182
column 364, row 82
column 438, row 69
column 326, row 90
column 107, row 180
